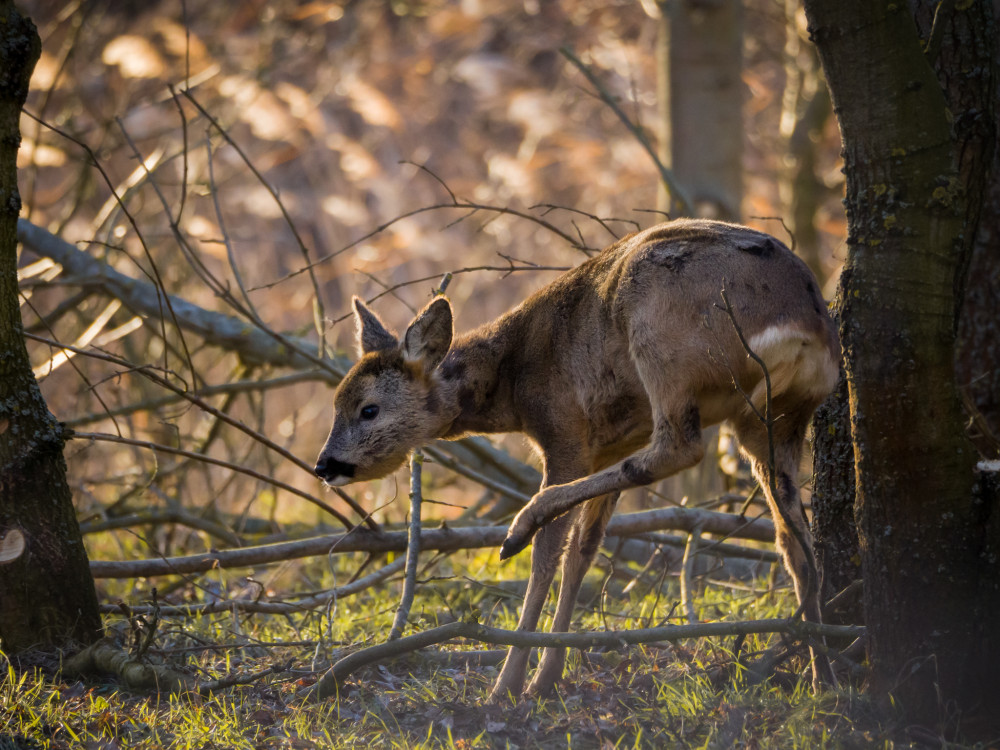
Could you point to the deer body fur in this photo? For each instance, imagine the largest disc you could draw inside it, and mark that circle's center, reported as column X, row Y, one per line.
column 612, row 370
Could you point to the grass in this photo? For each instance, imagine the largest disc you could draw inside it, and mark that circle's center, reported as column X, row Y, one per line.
column 683, row 695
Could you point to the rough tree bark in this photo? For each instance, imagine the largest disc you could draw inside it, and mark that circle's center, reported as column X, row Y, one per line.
column 47, row 595
column 977, row 359
column 915, row 113
column 835, row 533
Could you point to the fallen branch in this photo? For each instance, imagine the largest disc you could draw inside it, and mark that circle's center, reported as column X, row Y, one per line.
column 440, row 539
column 233, row 334
column 106, row 658
column 159, row 516
column 270, row 608
column 330, row 683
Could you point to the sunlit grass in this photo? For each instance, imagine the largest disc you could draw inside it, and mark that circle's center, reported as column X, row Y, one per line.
column 672, row 695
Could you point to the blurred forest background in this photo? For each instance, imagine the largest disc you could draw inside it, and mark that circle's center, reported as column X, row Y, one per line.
column 352, row 115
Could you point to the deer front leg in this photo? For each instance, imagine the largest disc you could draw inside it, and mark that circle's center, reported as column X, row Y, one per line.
column 544, row 560
column 675, row 445
column 584, row 540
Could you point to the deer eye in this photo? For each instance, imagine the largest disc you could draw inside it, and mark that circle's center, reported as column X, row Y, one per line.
column 369, row 412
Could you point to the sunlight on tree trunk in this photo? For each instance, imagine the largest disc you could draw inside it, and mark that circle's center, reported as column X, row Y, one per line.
column 699, row 61
column 805, row 110
column 47, row 595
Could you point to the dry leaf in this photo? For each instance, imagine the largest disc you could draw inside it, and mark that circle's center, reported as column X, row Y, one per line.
column 134, row 56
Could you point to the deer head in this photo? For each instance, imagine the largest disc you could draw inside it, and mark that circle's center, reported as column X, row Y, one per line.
column 388, row 403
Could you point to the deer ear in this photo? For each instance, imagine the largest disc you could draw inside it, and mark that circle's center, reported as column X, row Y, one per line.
column 372, row 335
column 428, row 338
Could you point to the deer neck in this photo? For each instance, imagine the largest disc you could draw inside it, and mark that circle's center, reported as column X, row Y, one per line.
column 476, row 379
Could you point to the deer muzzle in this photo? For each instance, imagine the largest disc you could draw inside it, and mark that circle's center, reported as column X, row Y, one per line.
column 335, row 473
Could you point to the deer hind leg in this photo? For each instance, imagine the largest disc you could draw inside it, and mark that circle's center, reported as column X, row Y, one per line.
column 582, row 545
column 545, row 556
column 793, row 538
column 675, row 444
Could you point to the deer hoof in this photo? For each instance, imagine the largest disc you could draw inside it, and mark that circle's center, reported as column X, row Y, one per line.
column 512, row 545
column 521, row 530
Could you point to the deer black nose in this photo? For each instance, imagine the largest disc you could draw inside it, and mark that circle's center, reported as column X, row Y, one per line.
column 328, row 468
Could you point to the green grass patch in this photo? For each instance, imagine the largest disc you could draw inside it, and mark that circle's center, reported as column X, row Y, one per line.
column 688, row 694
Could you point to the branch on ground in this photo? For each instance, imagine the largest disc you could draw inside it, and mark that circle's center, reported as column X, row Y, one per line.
column 329, row 685
column 440, row 539
column 104, row 657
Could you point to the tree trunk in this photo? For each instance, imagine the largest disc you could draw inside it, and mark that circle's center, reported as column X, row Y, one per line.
column 977, row 359
column 835, row 533
column 805, row 109
column 47, row 595
column 916, row 145
column 700, row 60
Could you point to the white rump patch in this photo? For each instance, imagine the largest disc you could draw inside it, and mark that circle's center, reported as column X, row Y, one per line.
column 773, row 338
column 796, row 360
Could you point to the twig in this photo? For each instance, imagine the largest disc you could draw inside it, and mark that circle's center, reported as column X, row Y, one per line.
column 220, row 217
column 460, row 468
column 603, row 222
column 184, row 132
column 767, row 418
column 718, row 548
column 329, row 684
column 239, row 386
column 412, row 548
column 317, row 297
column 677, row 193
column 468, row 206
column 687, row 571
column 506, row 271
column 223, row 683
column 214, row 461
column 788, row 231
column 161, row 291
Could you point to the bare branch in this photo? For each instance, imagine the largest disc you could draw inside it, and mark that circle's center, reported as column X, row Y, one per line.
column 412, row 548
column 317, row 297
column 233, row 334
column 673, row 187
column 216, row 462
column 255, row 345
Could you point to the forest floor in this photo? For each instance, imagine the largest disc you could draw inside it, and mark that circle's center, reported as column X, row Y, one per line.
column 689, row 694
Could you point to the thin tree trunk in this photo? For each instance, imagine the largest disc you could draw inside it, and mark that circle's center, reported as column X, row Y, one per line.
column 700, row 61
column 47, row 595
column 804, row 112
column 915, row 156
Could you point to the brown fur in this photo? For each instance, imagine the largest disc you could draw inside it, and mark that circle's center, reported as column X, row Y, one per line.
column 612, row 370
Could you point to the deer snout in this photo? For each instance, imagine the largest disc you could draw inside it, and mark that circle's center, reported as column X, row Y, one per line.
column 334, row 472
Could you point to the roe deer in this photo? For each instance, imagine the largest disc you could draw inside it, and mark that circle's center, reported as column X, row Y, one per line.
column 612, row 370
